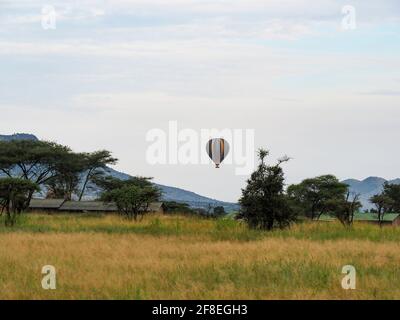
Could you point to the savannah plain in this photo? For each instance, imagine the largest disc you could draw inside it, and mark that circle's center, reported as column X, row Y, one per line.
column 184, row 257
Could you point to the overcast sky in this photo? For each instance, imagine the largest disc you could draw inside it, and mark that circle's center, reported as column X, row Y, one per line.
column 113, row 70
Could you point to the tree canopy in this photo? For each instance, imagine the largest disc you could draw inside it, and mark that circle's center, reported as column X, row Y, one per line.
column 344, row 208
column 312, row 197
column 53, row 166
column 388, row 201
column 94, row 166
column 66, row 182
column 14, row 194
column 132, row 197
column 36, row 161
column 264, row 204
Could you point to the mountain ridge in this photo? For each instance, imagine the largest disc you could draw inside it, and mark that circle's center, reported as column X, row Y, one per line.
column 17, row 136
column 368, row 187
column 181, row 195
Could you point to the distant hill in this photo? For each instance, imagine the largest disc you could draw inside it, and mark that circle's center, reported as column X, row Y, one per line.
column 180, row 195
column 168, row 193
column 18, row 136
column 368, row 188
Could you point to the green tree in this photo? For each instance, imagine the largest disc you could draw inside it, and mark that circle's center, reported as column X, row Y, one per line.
column 132, row 196
column 109, row 183
column 312, row 196
column 387, row 201
column 177, row 207
column 66, row 182
column 264, row 205
column 344, row 208
column 383, row 204
column 392, row 191
column 219, row 211
column 133, row 201
column 36, row 161
column 14, row 194
column 53, row 165
column 31, row 160
column 95, row 166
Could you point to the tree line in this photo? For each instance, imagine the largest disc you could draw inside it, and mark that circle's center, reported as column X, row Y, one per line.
column 29, row 166
column 267, row 204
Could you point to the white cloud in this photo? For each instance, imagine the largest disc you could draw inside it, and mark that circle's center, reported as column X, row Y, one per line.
column 296, row 12
column 277, row 29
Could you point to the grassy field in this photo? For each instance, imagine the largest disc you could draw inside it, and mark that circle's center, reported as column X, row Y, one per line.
column 177, row 257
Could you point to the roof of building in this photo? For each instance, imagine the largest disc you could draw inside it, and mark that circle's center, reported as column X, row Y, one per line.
column 98, row 206
column 372, row 217
column 88, row 206
column 388, row 217
column 46, row 203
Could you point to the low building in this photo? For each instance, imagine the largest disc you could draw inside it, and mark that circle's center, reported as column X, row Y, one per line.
column 99, row 206
column 61, row 205
column 46, row 204
column 88, row 206
column 388, row 218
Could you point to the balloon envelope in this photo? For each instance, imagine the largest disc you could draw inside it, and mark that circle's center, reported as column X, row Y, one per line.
column 217, row 150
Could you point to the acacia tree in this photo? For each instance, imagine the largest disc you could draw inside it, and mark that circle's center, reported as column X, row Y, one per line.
column 344, row 209
column 312, row 196
column 134, row 201
column 392, row 191
column 110, row 183
column 14, row 193
column 68, row 177
column 36, row 161
column 387, row 201
column 132, row 197
column 95, row 166
column 52, row 165
column 264, row 205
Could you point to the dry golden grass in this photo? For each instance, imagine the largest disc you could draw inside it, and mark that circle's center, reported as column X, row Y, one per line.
column 190, row 258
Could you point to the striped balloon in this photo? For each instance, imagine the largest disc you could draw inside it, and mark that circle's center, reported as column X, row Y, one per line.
column 217, row 150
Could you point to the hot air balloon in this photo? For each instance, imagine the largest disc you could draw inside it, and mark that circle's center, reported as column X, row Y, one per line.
column 217, row 150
